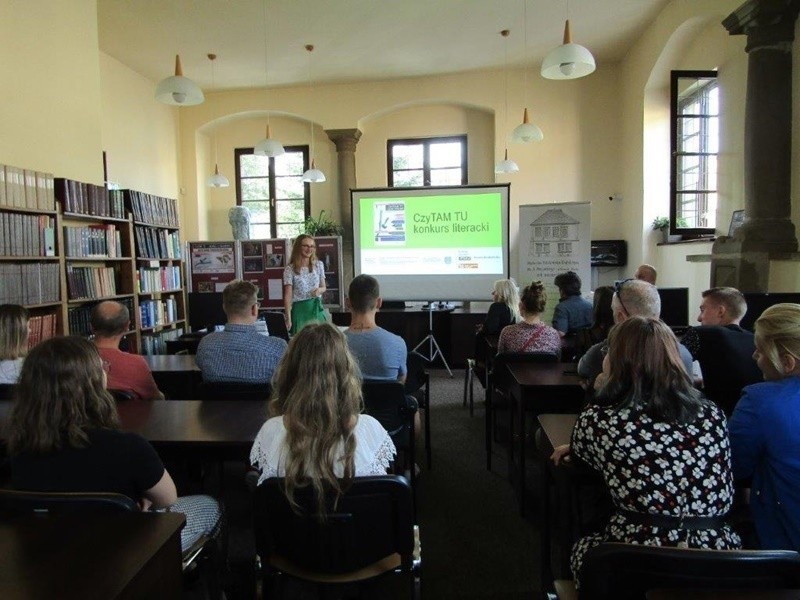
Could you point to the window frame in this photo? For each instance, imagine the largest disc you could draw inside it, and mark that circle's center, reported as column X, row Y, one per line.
column 426, row 156
column 686, row 232
column 273, row 208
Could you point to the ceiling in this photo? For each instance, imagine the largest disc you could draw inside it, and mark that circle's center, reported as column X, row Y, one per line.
column 355, row 39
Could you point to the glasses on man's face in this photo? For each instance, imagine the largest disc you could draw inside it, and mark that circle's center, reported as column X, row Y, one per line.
column 618, row 291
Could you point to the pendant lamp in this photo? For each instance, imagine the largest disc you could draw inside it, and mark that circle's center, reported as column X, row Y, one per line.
column 526, row 131
column 312, row 175
column 568, row 61
column 179, row 90
column 216, row 180
column 267, row 146
column 506, row 165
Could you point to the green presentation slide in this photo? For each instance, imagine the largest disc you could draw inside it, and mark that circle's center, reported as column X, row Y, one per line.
column 446, row 221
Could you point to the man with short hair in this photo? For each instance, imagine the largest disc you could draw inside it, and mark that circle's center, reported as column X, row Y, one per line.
column 646, row 273
column 110, row 321
column 723, row 349
column 239, row 353
column 632, row 298
column 572, row 312
column 380, row 354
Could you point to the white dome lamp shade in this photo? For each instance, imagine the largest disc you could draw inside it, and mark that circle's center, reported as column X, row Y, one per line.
column 268, row 146
column 179, row 90
column 526, row 131
column 217, row 180
column 568, row 61
column 506, row 165
column 313, row 175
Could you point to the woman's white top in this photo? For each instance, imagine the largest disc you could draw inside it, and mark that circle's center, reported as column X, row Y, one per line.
column 9, row 370
column 305, row 282
column 374, row 449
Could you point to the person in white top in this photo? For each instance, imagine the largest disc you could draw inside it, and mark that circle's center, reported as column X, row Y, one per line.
column 316, row 432
column 14, row 332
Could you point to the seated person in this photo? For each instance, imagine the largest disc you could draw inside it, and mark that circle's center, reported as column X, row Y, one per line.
column 632, row 298
column 315, row 430
column 239, row 353
column 504, row 309
column 646, row 273
column 572, row 312
column 649, row 411
column 64, row 437
column 764, row 430
column 723, row 349
column 379, row 354
column 530, row 334
column 603, row 320
column 110, row 322
column 13, row 341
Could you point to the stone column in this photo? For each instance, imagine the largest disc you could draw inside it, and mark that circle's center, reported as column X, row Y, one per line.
column 346, row 141
column 768, row 229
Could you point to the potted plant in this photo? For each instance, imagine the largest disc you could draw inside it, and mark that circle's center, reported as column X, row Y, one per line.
column 323, row 225
column 662, row 224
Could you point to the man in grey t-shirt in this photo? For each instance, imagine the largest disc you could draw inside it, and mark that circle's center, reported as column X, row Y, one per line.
column 380, row 354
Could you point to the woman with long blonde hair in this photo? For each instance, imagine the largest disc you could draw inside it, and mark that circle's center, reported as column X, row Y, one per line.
column 13, row 341
column 316, row 434
column 765, row 430
column 303, row 285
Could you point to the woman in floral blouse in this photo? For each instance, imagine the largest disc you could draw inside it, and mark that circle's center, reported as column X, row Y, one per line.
column 662, row 448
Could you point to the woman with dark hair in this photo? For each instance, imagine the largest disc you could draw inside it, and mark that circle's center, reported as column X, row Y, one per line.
column 316, row 434
column 303, row 285
column 660, row 446
column 572, row 312
column 530, row 334
column 603, row 315
column 64, row 436
column 13, row 341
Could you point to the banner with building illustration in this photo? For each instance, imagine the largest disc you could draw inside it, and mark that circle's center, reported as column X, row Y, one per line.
column 553, row 239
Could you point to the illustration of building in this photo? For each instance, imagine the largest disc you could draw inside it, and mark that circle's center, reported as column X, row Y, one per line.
column 553, row 233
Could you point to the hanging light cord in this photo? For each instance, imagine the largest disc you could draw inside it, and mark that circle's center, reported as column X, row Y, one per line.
column 310, row 49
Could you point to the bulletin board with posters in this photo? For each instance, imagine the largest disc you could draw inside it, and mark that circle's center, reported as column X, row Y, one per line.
column 329, row 252
column 262, row 263
column 212, row 265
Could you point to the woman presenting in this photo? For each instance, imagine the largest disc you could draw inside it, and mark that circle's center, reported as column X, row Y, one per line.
column 303, row 285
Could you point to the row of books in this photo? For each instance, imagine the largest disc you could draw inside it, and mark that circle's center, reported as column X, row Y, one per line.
column 79, row 318
column 158, row 312
column 30, row 283
column 40, row 328
column 158, row 280
column 157, row 243
column 24, row 188
column 27, row 235
column 156, row 343
column 93, row 240
column 91, row 282
column 153, row 210
column 88, row 199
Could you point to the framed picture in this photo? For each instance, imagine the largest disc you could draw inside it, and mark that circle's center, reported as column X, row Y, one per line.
column 737, row 219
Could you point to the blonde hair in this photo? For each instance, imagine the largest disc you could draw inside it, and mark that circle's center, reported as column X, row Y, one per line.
column 317, row 390
column 297, row 249
column 507, row 292
column 13, row 331
column 778, row 332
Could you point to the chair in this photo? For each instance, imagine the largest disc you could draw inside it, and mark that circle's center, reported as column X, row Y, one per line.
column 234, row 390
column 388, row 403
column 368, row 531
column 7, row 390
column 479, row 367
column 628, row 571
column 497, row 388
column 417, row 379
column 122, row 395
column 276, row 323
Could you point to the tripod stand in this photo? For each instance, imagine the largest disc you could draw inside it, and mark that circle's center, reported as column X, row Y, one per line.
column 433, row 346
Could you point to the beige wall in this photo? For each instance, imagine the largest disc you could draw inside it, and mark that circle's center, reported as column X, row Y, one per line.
column 51, row 77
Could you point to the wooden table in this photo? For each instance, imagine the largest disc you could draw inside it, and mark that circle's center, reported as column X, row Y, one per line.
column 539, row 388
column 120, row 555
column 177, row 375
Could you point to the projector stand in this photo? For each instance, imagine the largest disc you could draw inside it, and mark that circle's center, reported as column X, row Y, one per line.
column 433, row 346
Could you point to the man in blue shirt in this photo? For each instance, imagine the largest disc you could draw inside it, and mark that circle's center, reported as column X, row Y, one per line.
column 572, row 312
column 239, row 353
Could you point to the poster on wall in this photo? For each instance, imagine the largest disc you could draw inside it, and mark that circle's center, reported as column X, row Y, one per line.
column 211, row 265
column 553, row 239
column 329, row 252
column 262, row 263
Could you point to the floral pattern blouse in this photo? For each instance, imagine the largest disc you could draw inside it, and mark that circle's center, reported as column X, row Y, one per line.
column 305, row 282
column 658, row 468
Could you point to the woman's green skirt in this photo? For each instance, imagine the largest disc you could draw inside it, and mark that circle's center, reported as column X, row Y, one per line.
column 304, row 311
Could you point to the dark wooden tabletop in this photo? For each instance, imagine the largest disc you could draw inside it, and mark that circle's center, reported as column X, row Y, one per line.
column 683, row 594
column 530, row 374
column 120, row 555
column 171, row 362
column 557, row 430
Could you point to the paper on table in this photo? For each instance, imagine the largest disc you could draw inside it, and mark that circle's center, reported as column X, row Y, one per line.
column 274, row 289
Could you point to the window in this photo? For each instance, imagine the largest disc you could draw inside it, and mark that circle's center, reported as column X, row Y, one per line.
column 431, row 161
column 271, row 188
column 695, row 145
